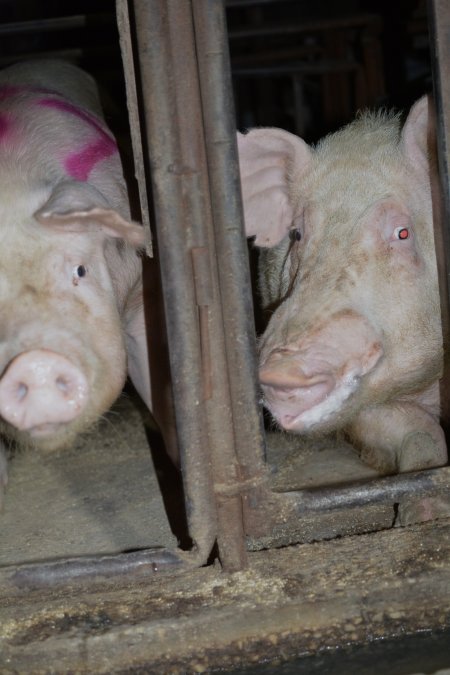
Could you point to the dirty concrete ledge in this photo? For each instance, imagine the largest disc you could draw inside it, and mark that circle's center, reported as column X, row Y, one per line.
column 289, row 602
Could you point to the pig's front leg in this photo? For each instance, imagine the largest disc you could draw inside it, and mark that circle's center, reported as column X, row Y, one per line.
column 3, row 472
column 399, row 437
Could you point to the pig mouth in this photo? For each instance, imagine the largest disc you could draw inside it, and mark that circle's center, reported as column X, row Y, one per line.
column 46, row 429
column 299, row 409
column 314, row 380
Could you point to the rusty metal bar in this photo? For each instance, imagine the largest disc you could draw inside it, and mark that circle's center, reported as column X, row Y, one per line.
column 335, row 511
column 126, row 48
column 173, row 140
column 169, row 69
column 439, row 24
column 390, row 489
column 135, row 565
column 231, row 250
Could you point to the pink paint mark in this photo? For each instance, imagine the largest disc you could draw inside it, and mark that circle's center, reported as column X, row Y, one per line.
column 80, row 164
column 66, row 106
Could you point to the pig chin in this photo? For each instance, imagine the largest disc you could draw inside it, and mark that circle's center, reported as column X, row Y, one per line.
column 47, row 437
column 318, row 407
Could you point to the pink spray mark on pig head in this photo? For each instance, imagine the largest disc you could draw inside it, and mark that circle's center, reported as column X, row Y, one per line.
column 80, row 163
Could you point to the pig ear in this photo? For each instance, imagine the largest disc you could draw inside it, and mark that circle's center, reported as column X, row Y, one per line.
column 418, row 137
column 74, row 207
column 269, row 159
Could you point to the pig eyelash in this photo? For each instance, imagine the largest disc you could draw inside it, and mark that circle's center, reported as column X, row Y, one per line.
column 401, row 233
column 78, row 272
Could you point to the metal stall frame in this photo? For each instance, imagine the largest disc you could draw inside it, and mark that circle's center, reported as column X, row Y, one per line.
column 190, row 131
column 182, row 64
column 176, row 52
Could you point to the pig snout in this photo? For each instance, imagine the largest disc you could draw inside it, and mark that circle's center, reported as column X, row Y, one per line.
column 308, row 381
column 41, row 390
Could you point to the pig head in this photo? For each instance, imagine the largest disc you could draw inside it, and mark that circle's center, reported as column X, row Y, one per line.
column 347, row 271
column 71, row 299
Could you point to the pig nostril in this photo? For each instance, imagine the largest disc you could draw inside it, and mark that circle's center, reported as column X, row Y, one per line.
column 63, row 384
column 22, row 391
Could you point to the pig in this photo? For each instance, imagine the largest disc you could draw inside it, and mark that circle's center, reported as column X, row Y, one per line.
column 347, row 271
column 71, row 293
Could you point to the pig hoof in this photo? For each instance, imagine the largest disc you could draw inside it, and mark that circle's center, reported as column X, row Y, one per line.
column 418, row 451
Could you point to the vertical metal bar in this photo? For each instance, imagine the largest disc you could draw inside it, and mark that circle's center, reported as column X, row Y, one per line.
column 123, row 23
column 188, row 258
column 439, row 23
column 231, row 250
column 165, row 56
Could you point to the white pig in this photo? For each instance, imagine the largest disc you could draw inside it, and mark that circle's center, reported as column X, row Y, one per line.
column 348, row 268
column 71, row 299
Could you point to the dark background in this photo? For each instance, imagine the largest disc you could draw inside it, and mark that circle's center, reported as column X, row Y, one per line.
column 304, row 65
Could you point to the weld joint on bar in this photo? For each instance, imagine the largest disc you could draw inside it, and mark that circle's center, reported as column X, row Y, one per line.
column 239, row 487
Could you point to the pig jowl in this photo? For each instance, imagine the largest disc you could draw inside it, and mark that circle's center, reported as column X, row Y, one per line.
column 70, row 270
column 348, row 274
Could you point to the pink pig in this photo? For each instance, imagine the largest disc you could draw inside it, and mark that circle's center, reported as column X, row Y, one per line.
column 348, row 270
column 71, row 298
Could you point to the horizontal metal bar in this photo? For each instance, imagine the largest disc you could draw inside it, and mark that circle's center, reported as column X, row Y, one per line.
column 294, row 68
column 381, row 490
column 137, row 564
column 284, row 30
column 55, row 24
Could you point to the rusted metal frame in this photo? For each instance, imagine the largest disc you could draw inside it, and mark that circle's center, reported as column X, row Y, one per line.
column 187, row 252
column 126, row 48
column 362, row 506
column 137, row 565
column 389, row 490
column 439, row 24
column 233, row 267
column 172, row 136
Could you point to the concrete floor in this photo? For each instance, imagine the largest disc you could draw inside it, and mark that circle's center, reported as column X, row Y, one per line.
column 103, row 495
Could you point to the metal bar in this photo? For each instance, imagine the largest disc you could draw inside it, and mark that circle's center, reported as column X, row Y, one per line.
column 323, row 66
column 439, row 23
column 362, row 506
column 126, row 48
column 135, row 565
column 216, row 391
column 173, row 135
column 230, row 245
column 283, row 30
column 55, row 24
column 390, row 489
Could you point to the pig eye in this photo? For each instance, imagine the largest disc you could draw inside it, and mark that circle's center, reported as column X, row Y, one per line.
column 401, row 233
column 78, row 272
column 295, row 234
